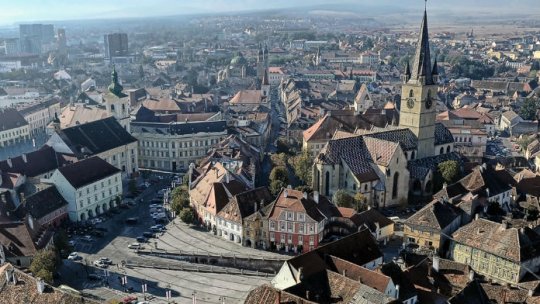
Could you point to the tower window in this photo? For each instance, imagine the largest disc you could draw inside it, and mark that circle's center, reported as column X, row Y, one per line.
column 112, row 107
column 411, row 93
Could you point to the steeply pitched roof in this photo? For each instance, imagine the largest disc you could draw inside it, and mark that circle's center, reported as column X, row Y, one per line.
column 244, row 204
column 369, row 218
column 294, row 200
column 375, row 280
column 405, row 137
column 435, row 216
column 11, row 119
column 44, row 202
column 473, row 293
column 37, row 162
column 359, row 248
column 422, row 57
column 354, row 152
column 95, row 137
column 517, row 245
column 87, row 171
column 17, row 240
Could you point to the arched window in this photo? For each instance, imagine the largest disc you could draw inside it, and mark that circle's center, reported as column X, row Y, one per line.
column 448, row 149
column 327, row 184
column 395, row 185
column 411, row 93
column 441, row 151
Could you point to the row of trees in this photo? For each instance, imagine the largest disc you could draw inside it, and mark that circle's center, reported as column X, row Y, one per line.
column 180, row 204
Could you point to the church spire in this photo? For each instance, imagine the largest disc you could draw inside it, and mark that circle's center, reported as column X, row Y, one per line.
column 115, row 87
column 421, row 70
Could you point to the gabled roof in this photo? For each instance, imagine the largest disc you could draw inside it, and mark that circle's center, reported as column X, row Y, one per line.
column 473, row 293
column 359, row 248
column 435, row 216
column 369, row 218
column 96, row 137
column 16, row 239
column 405, row 137
column 294, row 200
column 354, row 152
column 37, row 162
column 517, row 245
column 375, row 280
column 343, row 120
column 245, row 204
column 11, row 119
column 44, row 202
column 87, row 171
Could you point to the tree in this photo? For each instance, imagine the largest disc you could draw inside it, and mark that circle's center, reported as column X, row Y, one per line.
column 44, row 265
column 187, row 216
column 179, row 198
column 283, row 146
column 360, row 202
column 529, row 108
column 343, row 199
column 279, row 159
column 279, row 178
column 61, row 242
column 449, row 171
column 302, row 165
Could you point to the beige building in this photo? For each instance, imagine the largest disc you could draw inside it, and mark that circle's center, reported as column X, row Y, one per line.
column 173, row 146
column 40, row 114
column 501, row 253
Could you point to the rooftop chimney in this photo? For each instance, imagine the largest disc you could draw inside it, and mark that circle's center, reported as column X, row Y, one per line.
column 254, row 207
column 40, row 285
column 307, row 295
column 397, row 291
column 286, row 193
column 436, row 261
column 9, row 162
column 24, row 158
column 304, row 195
column 316, row 196
column 471, row 275
column 476, row 216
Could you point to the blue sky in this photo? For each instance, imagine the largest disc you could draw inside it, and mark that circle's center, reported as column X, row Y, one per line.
column 40, row 10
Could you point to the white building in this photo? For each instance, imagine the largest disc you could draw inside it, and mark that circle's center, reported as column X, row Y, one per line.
column 105, row 138
column 39, row 114
column 13, row 127
column 90, row 186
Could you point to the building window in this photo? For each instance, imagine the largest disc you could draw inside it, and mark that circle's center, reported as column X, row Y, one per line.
column 395, row 185
column 282, row 226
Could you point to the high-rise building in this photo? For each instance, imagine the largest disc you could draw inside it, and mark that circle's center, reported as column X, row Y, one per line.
column 34, row 36
column 116, row 45
column 61, row 40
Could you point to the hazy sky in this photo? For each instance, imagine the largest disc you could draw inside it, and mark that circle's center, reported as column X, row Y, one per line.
column 40, row 10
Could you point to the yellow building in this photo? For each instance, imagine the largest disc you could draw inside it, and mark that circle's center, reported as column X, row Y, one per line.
column 536, row 54
column 492, row 249
column 429, row 227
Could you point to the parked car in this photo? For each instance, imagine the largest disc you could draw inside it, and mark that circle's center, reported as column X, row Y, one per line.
column 132, row 220
column 100, row 264
column 106, row 260
column 74, row 256
column 72, row 243
column 148, row 234
column 141, row 239
column 87, row 239
column 134, row 246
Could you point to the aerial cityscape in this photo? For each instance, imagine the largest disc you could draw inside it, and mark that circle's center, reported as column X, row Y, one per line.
column 253, row 152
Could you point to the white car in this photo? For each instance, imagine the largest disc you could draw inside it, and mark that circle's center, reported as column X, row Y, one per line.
column 100, row 264
column 74, row 256
column 135, row 246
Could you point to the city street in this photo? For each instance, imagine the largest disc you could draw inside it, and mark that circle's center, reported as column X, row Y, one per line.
column 178, row 236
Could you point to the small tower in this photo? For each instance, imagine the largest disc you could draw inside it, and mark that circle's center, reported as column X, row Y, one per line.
column 116, row 102
column 318, row 57
column 265, row 85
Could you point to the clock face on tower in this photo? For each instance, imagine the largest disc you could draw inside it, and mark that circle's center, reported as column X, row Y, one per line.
column 410, row 103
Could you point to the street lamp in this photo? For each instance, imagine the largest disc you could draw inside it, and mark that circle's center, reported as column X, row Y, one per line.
column 222, row 299
column 144, row 289
column 168, row 293
column 194, row 297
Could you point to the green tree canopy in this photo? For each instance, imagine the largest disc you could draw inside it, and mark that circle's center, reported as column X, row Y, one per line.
column 44, row 265
column 449, row 171
column 187, row 216
column 302, row 165
column 529, row 108
column 343, row 199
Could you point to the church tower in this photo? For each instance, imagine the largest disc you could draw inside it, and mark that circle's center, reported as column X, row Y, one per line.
column 418, row 95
